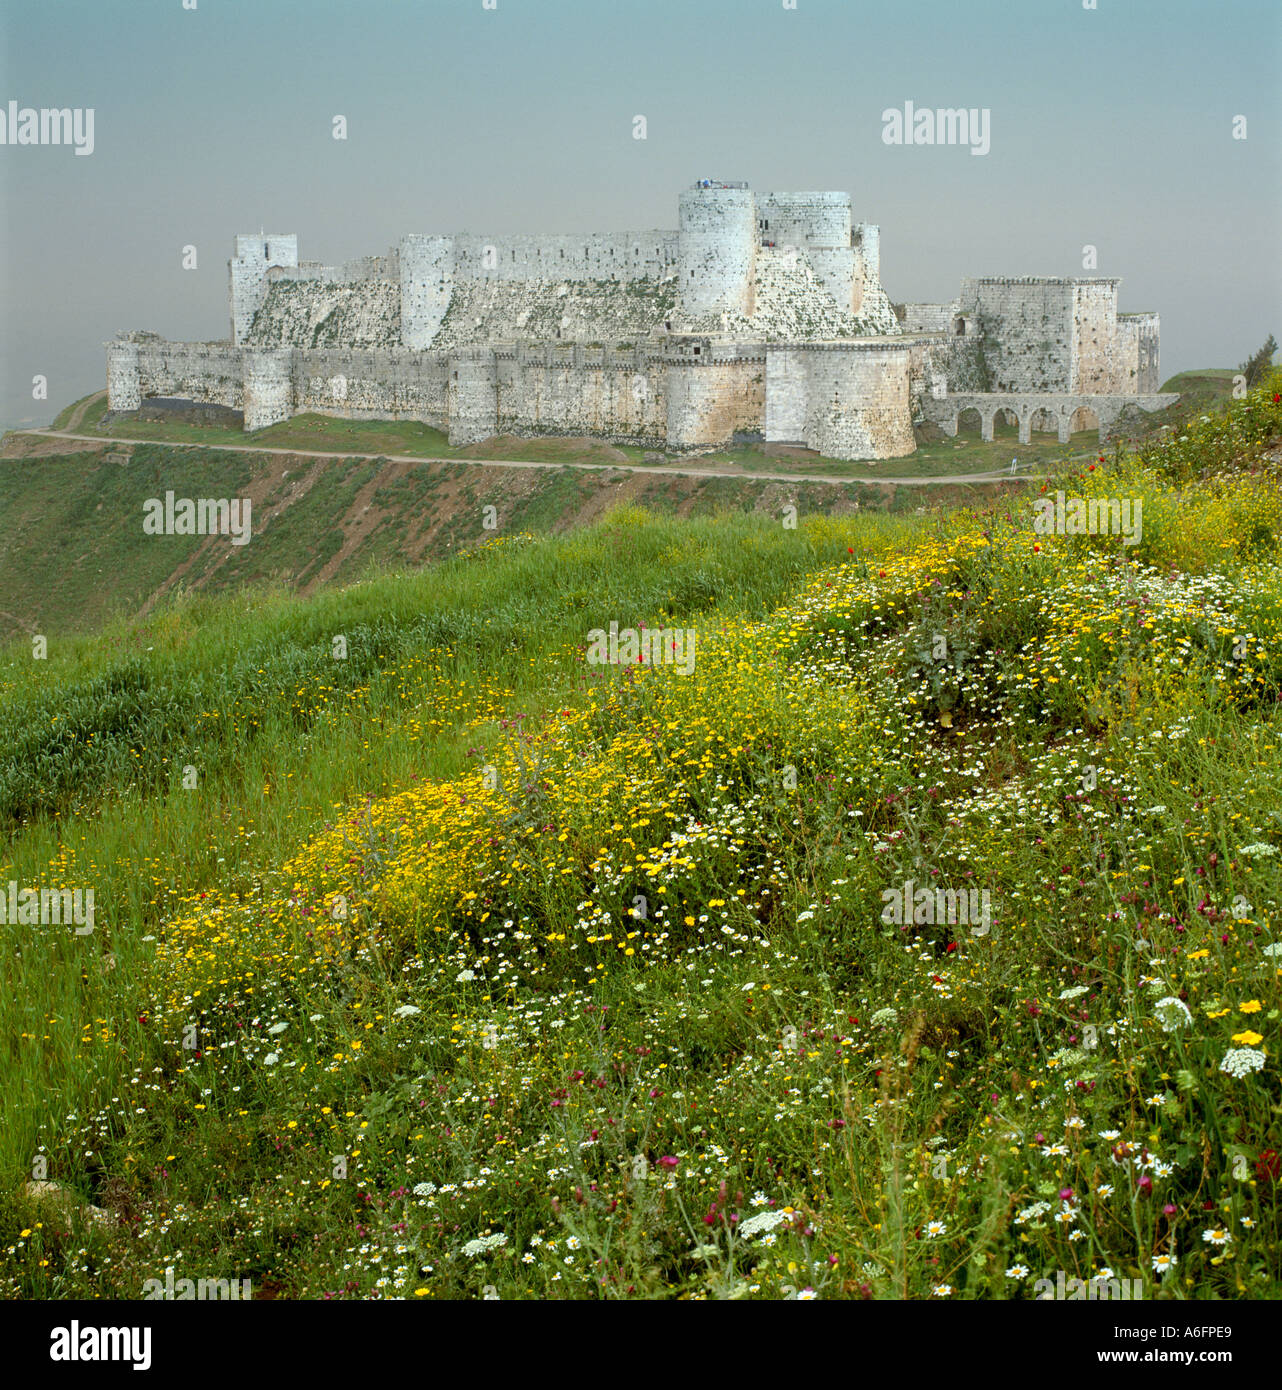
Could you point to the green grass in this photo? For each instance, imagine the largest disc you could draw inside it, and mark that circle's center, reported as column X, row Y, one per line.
column 78, row 516
column 492, row 1044
column 968, row 453
column 1218, row 380
column 92, row 417
column 227, row 686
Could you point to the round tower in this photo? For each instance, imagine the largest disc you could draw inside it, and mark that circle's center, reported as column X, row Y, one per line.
column 268, row 386
column 717, row 249
column 124, row 376
column 858, row 403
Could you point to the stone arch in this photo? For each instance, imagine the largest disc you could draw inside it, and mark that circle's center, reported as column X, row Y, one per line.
column 1042, row 420
column 1083, row 418
column 1107, row 419
column 968, row 420
column 1005, row 415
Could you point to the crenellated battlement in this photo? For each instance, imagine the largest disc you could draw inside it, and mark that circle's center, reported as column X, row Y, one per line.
column 1039, row 280
column 759, row 312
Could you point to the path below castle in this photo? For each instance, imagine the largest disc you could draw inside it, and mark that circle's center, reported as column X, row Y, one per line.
column 665, row 471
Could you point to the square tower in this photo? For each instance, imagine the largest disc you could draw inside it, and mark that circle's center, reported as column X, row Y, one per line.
column 255, row 255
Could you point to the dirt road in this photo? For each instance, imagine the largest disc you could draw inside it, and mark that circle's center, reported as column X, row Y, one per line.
column 991, row 477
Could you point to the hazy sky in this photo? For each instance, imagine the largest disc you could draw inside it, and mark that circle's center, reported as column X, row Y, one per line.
column 1112, row 127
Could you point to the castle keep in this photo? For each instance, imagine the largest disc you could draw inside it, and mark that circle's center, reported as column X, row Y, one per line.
column 762, row 315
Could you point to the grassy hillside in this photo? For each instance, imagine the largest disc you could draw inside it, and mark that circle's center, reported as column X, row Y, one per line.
column 317, row 522
column 1202, row 390
column 322, row 521
column 430, row 957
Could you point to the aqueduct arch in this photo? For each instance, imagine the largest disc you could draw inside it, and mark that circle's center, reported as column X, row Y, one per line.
column 1043, row 420
column 1067, row 415
column 1083, row 418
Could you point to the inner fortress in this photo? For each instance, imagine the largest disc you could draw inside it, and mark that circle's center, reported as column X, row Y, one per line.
column 761, row 317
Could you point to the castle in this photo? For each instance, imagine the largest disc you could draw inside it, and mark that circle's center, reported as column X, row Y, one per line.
column 762, row 317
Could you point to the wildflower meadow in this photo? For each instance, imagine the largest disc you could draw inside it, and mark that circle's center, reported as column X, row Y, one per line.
column 433, row 960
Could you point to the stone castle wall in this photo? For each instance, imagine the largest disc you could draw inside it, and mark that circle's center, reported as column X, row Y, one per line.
column 1027, row 330
column 474, row 393
column 958, row 361
column 575, row 390
column 928, row 318
column 124, row 379
column 584, row 311
column 373, row 383
column 819, row 224
column 312, row 311
column 787, row 390
column 448, row 292
column 760, row 313
column 1139, row 336
column 247, row 272
column 1096, row 360
column 709, row 402
column 858, row 403
column 269, row 387
column 147, row 366
column 717, row 248
column 346, row 273
column 427, row 285
column 619, row 256
column 847, row 400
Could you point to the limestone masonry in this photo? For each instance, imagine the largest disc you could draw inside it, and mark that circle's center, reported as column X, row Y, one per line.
column 762, row 316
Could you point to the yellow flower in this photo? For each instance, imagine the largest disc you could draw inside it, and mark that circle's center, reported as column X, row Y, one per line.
column 1247, row 1039
column 1252, row 1006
